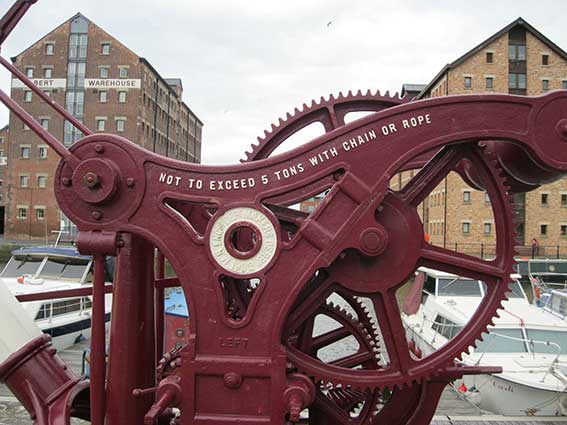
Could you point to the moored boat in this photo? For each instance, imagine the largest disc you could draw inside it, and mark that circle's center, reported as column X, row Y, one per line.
column 527, row 342
column 42, row 270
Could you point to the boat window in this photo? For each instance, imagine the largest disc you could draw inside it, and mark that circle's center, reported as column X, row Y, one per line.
column 548, row 337
column 515, row 290
column 445, row 327
column 64, row 268
column 20, row 265
column 521, row 267
column 558, row 303
column 87, row 303
column 66, row 306
column 554, row 279
column 459, row 288
column 502, row 341
column 548, row 267
column 429, row 285
column 44, row 312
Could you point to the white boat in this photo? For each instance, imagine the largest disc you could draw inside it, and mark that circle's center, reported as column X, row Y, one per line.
column 527, row 342
column 43, row 270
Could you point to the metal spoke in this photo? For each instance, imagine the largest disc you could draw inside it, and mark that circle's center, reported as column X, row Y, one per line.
column 459, row 264
column 393, row 332
column 421, row 185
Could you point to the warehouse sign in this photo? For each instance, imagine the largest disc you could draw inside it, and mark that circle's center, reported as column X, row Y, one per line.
column 112, row 83
column 90, row 83
column 42, row 83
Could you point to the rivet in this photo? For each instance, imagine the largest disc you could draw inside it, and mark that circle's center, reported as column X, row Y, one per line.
column 97, row 215
column 66, row 181
column 130, row 182
column 232, row 380
column 99, row 148
column 561, row 129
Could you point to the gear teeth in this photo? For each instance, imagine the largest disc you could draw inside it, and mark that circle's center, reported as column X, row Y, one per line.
column 382, row 102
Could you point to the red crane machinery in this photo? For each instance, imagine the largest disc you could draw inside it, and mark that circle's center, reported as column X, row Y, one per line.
column 257, row 274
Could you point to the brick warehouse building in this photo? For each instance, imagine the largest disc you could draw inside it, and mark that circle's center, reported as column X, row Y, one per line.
column 517, row 60
column 110, row 89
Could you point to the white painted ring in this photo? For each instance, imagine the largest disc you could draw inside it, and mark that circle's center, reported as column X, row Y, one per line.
column 268, row 241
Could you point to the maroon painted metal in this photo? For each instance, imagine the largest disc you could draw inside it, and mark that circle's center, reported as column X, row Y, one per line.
column 256, row 273
column 131, row 350
column 45, row 386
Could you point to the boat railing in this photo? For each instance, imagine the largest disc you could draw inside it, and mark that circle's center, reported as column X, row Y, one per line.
column 531, row 343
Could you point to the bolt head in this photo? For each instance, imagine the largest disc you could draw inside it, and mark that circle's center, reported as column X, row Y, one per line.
column 97, row 215
column 232, row 380
column 66, row 181
column 561, row 129
column 130, row 182
column 99, row 148
column 373, row 241
column 91, row 180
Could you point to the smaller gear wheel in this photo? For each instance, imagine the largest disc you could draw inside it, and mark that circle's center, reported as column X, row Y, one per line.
column 354, row 343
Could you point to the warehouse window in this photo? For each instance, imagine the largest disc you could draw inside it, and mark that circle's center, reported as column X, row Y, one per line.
column 100, row 124
column 28, row 96
column 545, row 60
column 517, row 81
column 105, row 49
column 44, row 123
column 42, row 181
column 122, row 97
column 489, row 82
column 466, row 227
column 487, row 228
column 517, row 52
column 47, row 72
column 564, row 85
column 544, row 85
column 104, row 72
column 468, row 82
column 40, row 213
column 22, row 213
column 564, row 199
column 564, row 230
column 466, row 196
column 24, row 180
column 103, row 96
column 489, row 57
column 43, row 152
column 544, row 199
column 543, row 229
column 24, row 152
column 29, row 72
column 49, row 49
column 120, row 125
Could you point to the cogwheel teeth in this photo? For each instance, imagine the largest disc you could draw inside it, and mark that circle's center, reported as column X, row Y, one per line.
column 335, row 106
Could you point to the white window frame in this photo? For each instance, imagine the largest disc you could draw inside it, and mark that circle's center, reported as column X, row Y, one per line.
column 41, row 149
column 24, row 180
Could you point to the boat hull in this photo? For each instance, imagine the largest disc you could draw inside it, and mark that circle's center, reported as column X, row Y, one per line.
column 502, row 396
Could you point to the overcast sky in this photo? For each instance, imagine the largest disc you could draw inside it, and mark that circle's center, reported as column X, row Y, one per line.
column 246, row 63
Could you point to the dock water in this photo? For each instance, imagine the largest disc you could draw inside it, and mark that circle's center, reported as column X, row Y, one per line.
column 452, row 409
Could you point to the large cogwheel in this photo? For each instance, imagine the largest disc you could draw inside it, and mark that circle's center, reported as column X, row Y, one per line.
column 329, row 112
column 378, row 278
